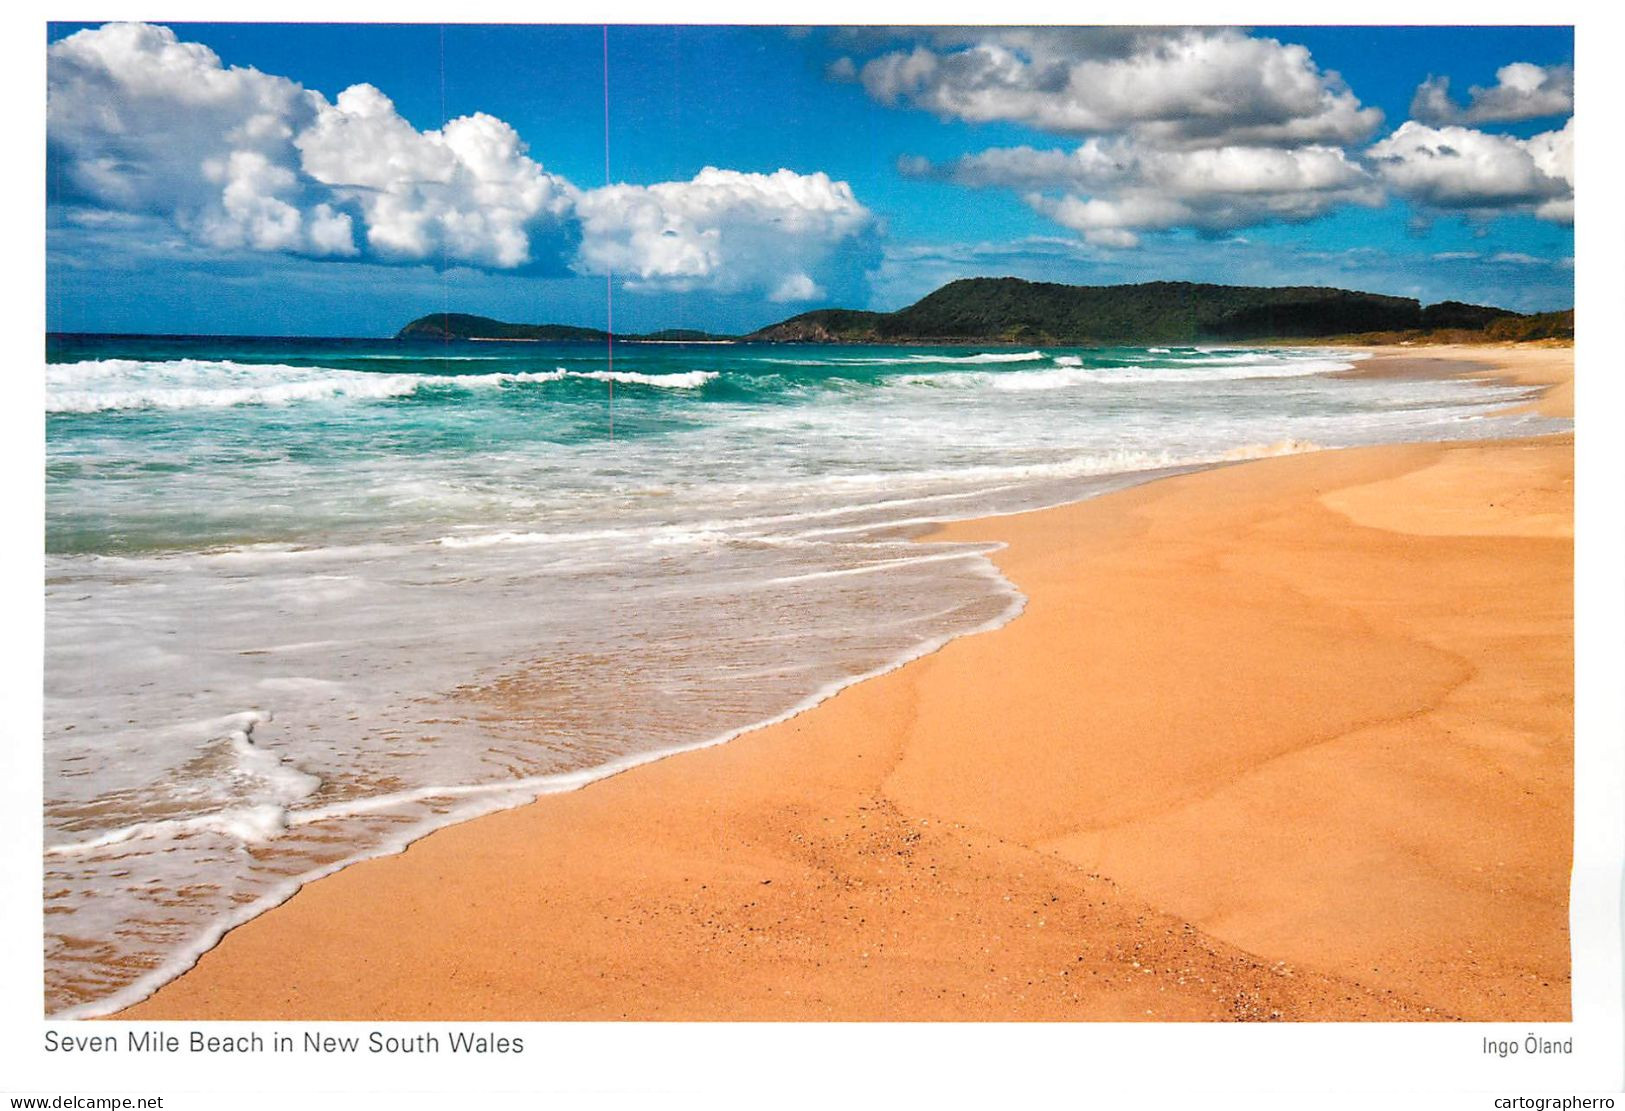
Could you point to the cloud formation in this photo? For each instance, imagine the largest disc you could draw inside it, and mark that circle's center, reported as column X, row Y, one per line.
column 1463, row 170
column 1202, row 128
column 140, row 122
column 724, row 231
column 1522, row 91
column 1178, row 87
column 1112, row 189
column 467, row 192
column 1214, row 130
column 1208, row 129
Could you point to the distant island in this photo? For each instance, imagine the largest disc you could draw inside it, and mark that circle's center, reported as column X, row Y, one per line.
column 1014, row 311
column 460, row 325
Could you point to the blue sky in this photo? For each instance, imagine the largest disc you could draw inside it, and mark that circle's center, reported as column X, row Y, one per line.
column 212, row 178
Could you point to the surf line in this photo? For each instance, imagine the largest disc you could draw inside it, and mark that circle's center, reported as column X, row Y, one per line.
column 609, row 276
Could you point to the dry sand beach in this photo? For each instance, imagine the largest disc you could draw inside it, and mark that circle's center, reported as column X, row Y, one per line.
column 1285, row 739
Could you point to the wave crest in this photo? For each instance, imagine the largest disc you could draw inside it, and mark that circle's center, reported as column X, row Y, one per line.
column 109, row 385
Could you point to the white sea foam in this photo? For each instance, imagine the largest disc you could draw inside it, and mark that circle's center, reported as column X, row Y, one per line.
column 984, row 357
column 271, row 784
column 431, row 357
column 1069, row 372
column 1266, row 451
column 687, row 380
column 912, row 359
column 245, row 824
column 468, row 381
column 729, row 527
column 489, row 539
column 683, row 380
column 871, row 568
column 1204, row 357
column 106, row 385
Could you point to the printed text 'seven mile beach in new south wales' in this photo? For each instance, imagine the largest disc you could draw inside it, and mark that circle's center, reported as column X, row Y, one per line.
column 730, row 523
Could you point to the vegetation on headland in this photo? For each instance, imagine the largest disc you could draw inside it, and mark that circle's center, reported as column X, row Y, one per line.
column 1014, row 311
column 1010, row 310
column 461, row 325
column 1552, row 329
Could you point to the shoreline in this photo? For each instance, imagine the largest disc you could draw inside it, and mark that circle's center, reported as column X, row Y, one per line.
column 1548, row 368
column 790, row 879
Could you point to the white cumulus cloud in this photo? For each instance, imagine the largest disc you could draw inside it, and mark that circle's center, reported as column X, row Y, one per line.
column 796, row 287
column 1459, row 168
column 1522, row 91
column 1180, row 87
column 467, row 192
column 139, row 121
column 1204, row 128
column 145, row 125
column 1212, row 129
column 724, row 231
column 1112, row 189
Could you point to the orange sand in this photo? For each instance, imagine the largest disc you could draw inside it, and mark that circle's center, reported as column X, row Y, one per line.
column 1291, row 738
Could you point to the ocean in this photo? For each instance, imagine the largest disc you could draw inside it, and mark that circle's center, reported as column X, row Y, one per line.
column 307, row 600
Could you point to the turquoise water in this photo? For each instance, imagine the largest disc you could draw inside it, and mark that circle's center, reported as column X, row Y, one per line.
column 306, row 600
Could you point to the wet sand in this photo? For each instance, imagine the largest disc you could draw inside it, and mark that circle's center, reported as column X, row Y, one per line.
column 1285, row 739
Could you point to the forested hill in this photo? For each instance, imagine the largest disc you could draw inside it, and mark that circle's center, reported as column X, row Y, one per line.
column 1010, row 310
column 462, row 325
